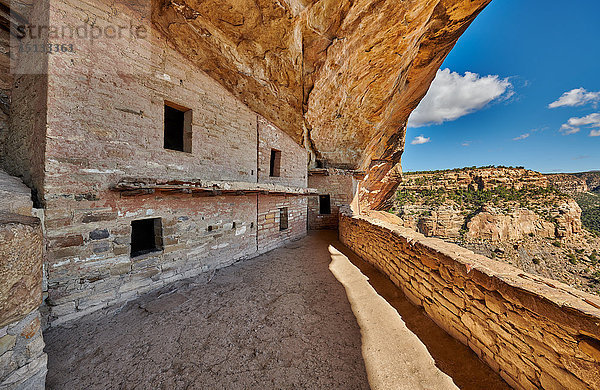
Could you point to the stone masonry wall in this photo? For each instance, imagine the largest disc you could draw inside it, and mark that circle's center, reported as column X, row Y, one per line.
column 105, row 123
column 22, row 142
column 293, row 165
column 22, row 357
column 269, row 234
column 118, row 131
column 336, row 183
column 89, row 260
column 536, row 332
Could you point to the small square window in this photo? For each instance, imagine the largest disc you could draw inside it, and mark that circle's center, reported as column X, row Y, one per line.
column 146, row 236
column 177, row 128
column 275, row 167
column 283, row 219
column 324, row 204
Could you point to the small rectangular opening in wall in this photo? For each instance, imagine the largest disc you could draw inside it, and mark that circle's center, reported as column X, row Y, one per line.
column 324, row 204
column 177, row 128
column 275, row 167
column 146, row 236
column 283, row 219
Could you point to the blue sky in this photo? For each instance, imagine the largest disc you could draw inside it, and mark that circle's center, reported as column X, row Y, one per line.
column 524, row 55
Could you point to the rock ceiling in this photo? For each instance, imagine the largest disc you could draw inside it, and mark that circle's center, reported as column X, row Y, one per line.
column 339, row 76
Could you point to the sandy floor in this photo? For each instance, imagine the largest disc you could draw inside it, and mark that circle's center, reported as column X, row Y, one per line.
column 307, row 316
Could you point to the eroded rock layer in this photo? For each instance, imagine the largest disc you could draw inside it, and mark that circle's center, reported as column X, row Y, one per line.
column 340, row 77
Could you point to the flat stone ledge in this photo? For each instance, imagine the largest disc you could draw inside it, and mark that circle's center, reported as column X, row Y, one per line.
column 336, row 171
column 140, row 186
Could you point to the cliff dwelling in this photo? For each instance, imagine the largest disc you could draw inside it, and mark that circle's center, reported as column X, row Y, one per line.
column 191, row 196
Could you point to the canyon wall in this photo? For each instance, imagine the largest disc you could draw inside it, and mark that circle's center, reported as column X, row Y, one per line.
column 569, row 184
column 479, row 179
column 536, row 332
column 492, row 203
column 576, row 183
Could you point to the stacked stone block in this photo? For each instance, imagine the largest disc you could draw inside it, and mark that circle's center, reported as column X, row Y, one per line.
column 22, row 357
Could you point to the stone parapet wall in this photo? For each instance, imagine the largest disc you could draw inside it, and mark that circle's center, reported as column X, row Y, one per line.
column 20, row 266
column 536, row 332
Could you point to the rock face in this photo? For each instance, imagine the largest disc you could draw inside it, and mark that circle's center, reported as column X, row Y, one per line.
column 495, row 225
column 340, row 77
column 592, row 179
column 568, row 219
column 443, row 221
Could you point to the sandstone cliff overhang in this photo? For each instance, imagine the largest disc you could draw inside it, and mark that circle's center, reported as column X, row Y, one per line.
column 340, row 77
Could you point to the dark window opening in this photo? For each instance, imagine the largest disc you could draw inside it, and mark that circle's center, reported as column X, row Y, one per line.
column 178, row 128
column 283, row 219
column 324, row 204
column 275, row 167
column 146, row 236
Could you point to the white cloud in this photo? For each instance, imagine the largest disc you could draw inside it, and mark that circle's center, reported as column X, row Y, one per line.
column 521, row 137
column 576, row 97
column 466, row 143
column 568, row 130
column 574, row 124
column 452, row 96
column 592, row 119
column 595, row 133
column 420, row 140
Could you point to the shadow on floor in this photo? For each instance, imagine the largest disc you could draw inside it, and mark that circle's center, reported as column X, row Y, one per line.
column 450, row 356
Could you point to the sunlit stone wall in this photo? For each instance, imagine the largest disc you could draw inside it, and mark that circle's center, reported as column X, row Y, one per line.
column 536, row 332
